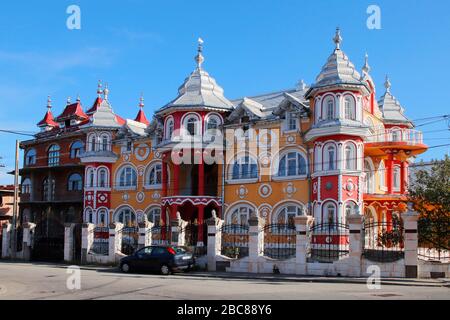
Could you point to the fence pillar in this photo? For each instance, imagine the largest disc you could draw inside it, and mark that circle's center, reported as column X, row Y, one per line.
column 68, row 241
column 302, row 225
column 6, row 241
column 175, row 231
column 28, row 232
column 411, row 243
column 214, row 244
column 255, row 243
column 87, row 240
column 143, row 231
column 115, row 240
column 182, row 232
column 355, row 224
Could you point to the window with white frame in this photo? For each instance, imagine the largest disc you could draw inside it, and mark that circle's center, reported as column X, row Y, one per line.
column 127, row 177
column 241, row 215
column 244, row 167
column 349, row 108
column 350, row 156
column 213, row 123
column 369, row 177
column 154, row 176
column 154, row 216
column 396, row 135
column 287, row 214
column 92, row 143
column 330, row 214
column 329, row 109
column 76, row 149
column 53, row 155
column 89, row 216
column 75, row 182
column 397, row 178
column 90, row 178
column 26, row 186
column 291, row 121
column 102, row 178
column 292, row 164
column 330, row 158
column 170, row 125
column 104, row 143
column 48, row 189
column 30, row 157
column 192, row 125
column 102, row 217
column 126, row 216
column 350, row 208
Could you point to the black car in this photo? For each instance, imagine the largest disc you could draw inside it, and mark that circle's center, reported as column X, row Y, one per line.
column 164, row 259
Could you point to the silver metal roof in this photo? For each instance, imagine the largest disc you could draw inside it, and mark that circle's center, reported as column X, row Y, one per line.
column 390, row 107
column 104, row 116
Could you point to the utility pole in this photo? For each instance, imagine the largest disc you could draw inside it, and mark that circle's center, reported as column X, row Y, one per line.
column 16, row 204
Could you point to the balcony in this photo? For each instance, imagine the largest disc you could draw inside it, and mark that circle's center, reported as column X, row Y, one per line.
column 408, row 140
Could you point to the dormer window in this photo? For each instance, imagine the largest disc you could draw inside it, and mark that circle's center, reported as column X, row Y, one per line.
column 291, row 121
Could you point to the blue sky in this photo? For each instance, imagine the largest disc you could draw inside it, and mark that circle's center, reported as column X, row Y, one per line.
column 251, row 47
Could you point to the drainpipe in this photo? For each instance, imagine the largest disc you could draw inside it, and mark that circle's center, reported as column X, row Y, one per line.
column 308, row 157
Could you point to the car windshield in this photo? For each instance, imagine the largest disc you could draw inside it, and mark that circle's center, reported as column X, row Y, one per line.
column 180, row 250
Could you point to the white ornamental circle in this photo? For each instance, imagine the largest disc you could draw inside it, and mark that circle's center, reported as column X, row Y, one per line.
column 125, row 197
column 126, row 157
column 140, row 197
column 141, row 170
column 265, row 190
column 142, row 152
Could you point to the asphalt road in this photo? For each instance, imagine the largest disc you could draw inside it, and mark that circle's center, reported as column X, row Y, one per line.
column 27, row 281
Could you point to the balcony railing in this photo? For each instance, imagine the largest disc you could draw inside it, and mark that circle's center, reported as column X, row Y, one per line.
column 407, row 136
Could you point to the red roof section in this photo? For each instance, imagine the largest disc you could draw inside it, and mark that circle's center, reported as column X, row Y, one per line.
column 142, row 118
column 48, row 120
column 72, row 110
column 120, row 120
column 95, row 106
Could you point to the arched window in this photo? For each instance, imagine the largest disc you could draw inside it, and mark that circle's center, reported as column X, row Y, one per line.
column 350, row 208
column 169, row 128
column 329, row 109
column 102, row 219
column 382, row 174
column 105, row 143
column 126, row 216
column 349, row 108
column 191, row 126
column 213, row 123
column 350, row 157
column 93, row 143
column 329, row 214
column 75, row 182
column 330, row 158
column 287, row 214
column 245, row 168
column 30, row 157
column 90, row 178
column 76, row 149
column 154, row 216
column 48, row 189
column 396, row 135
column 53, row 155
column 26, row 186
column 154, row 176
column 368, row 169
column 292, row 164
column 241, row 215
column 127, row 177
column 102, row 177
column 397, row 178
column 89, row 216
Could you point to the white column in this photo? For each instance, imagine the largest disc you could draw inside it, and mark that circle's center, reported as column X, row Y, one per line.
column 28, row 231
column 6, row 241
column 87, row 240
column 255, row 244
column 144, row 231
column 213, row 241
column 411, row 244
column 115, row 240
column 68, row 242
column 302, row 224
column 355, row 222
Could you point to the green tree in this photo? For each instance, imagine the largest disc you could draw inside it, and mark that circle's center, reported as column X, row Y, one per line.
column 430, row 193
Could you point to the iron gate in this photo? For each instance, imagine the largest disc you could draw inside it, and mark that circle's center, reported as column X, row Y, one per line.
column 328, row 242
column 161, row 235
column 130, row 237
column 191, row 237
column 383, row 241
column 48, row 249
column 279, row 241
column 235, row 239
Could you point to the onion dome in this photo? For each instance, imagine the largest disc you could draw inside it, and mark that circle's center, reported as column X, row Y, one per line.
column 200, row 89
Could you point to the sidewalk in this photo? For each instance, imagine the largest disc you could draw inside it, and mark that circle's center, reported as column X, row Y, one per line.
column 263, row 277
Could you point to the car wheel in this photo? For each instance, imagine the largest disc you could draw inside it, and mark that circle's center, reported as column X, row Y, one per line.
column 125, row 267
column 165, row 270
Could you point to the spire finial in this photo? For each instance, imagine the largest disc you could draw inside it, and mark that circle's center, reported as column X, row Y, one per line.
column 141, row 101
column 366, row 67
column 199, row 57
column 69, row 100
column 301, row 85
column 338, row 39
column 387, row 84
column 78, row 98
column 106, row 92
column 49, row 103
column 99, row 88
